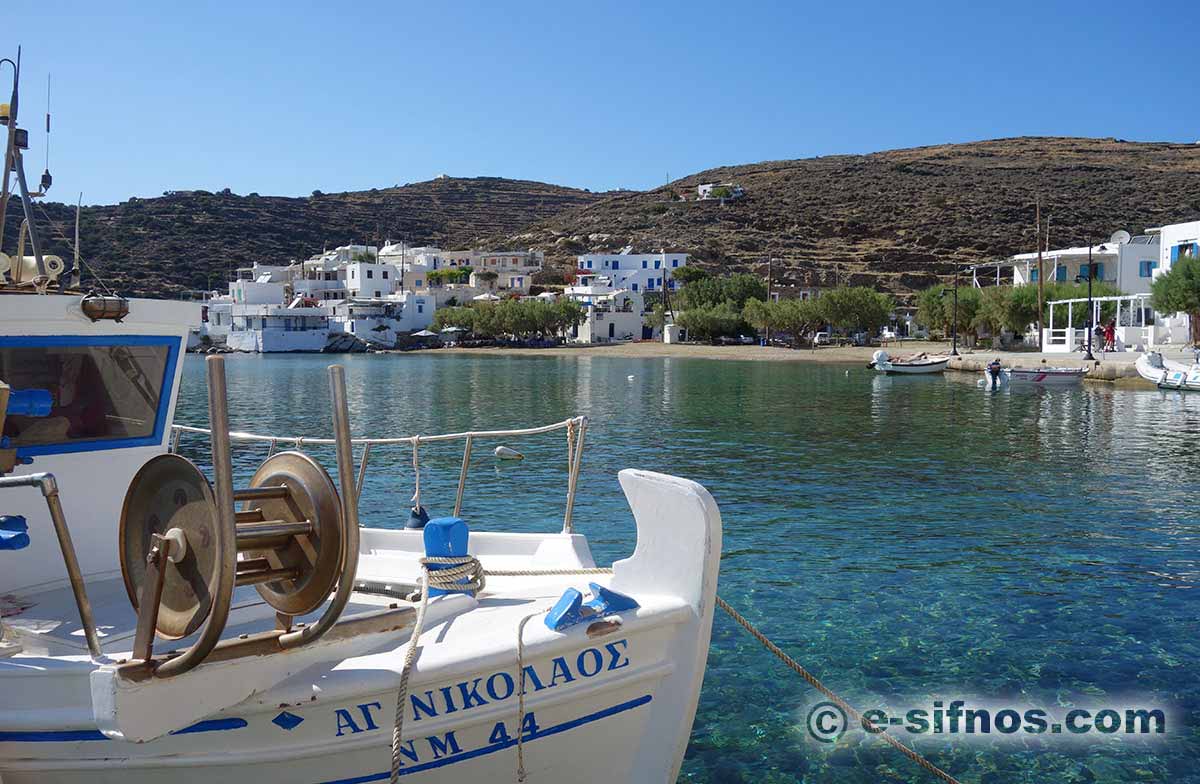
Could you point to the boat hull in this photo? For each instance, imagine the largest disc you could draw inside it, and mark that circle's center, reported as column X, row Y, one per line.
column 1166, row 374
column 915, row 369
column 605, row 701
column 584, row 729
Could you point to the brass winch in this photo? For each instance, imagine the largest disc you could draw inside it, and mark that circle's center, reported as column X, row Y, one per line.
column 184, row 546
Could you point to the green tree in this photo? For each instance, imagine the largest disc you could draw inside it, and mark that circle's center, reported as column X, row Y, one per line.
column 686, row 275
column 931, row 308
column 855, row 307
column 657, row 318
column 711, row 322
column 463, row 318
column 1178, row 291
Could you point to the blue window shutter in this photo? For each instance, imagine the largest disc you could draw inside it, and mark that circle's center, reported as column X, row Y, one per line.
column 1099, row 270
column 1175, row 253
column 1033, row 275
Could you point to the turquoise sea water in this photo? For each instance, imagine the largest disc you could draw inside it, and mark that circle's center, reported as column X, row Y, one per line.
column 904, row 539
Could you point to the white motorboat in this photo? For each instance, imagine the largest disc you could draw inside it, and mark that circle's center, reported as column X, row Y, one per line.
column 1168, row 374
column 916, row 364
column 994, row 378
column 156, row 626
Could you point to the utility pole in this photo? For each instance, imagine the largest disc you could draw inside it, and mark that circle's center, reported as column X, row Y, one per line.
column 770, row 270
column 1037, row 237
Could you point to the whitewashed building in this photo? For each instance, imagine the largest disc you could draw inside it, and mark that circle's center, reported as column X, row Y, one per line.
column 611, row 314
column 1176, row 241
column 1125, row 262
column 277, row 328
column 638, row 272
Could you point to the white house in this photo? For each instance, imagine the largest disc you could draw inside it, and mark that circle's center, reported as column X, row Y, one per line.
column 1128, row 264
column 610, row 315
column 639, row 273
column 277, row 328
column 719, row 190
column 1175, row 241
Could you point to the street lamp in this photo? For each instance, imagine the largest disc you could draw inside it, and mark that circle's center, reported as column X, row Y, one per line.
column 954, row 318
column 1091, row 271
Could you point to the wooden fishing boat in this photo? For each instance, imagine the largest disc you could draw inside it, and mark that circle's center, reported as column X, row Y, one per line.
column 914, row 364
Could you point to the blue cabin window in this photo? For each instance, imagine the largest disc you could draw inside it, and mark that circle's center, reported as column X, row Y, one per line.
column 1033, row 276
column 107, row 392
column 635, row 287
column 616, row 265
column 644, row 265
column 1060, row 274
column 1146, row 268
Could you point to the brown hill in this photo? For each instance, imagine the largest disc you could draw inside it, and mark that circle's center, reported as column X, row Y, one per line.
column 893, row 220
column 191, row 240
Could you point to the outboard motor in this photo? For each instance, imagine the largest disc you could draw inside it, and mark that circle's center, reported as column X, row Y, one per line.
column 993, row 374
column 878, row 358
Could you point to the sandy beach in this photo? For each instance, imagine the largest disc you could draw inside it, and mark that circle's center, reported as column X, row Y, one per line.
column 655, row 350
column 1117, row 367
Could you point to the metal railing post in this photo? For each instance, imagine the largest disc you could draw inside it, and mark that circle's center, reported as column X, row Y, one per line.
column 462, row 477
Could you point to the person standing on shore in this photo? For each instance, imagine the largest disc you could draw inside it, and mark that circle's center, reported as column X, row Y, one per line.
column 1110, row 335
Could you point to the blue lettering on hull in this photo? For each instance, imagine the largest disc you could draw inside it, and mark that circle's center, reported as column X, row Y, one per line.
column 503, row 741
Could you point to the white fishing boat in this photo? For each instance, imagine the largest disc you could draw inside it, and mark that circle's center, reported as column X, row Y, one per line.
column 288, row 627
column 161, row 626
column 994, row 378
column 916, row 364
column 1168, row 374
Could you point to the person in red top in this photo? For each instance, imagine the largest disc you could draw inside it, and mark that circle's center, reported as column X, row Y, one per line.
column 1110, row 335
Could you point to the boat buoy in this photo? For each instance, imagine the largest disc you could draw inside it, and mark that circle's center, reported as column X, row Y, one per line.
column 629, row 378
column 506, row 453
column 417, row 518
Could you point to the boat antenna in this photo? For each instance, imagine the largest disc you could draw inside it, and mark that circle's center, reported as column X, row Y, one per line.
column 8, row 118
column 47, row 180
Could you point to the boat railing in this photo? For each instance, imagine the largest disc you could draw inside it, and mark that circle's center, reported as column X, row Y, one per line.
column 575, row 428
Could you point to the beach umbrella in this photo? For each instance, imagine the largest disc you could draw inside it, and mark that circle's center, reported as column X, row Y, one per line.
column 424, row 334
column 486, row 297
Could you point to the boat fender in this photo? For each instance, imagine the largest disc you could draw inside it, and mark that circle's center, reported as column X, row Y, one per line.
column 445, row 537
column 508, row 453
column 571, row 610
column 417, row 518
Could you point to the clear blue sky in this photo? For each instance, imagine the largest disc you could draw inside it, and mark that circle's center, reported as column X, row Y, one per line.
column 290, row 97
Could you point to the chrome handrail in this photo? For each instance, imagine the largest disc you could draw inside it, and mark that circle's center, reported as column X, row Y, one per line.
column 576, row 427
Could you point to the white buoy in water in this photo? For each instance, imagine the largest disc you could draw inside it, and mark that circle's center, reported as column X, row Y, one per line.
column 505, row 453
column 629, row 378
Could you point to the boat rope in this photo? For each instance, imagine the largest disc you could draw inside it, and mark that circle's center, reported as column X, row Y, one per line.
column 466, row 573
column 812, row 680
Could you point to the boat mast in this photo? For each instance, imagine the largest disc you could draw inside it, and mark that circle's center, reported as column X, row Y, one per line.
column 9, row 119
column 13, row 160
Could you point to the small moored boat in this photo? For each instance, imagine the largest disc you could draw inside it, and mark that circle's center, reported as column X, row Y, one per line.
column 914, row 364
column 1167, row 374
column 995, row 376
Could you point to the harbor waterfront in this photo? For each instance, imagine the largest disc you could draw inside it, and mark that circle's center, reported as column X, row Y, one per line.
column 902, row 537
